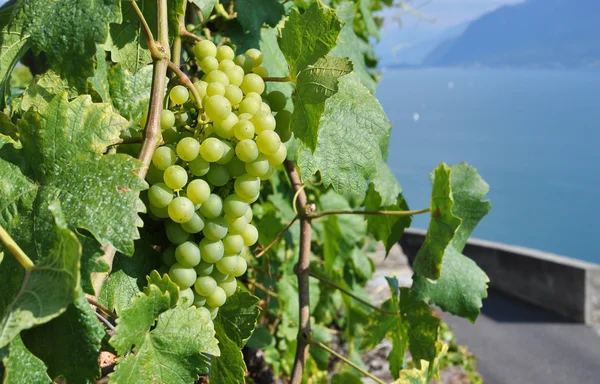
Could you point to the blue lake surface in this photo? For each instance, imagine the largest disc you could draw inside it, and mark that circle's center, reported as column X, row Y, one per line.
column 533, row 135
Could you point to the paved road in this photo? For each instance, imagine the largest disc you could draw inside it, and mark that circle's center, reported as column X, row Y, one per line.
column 519, row 344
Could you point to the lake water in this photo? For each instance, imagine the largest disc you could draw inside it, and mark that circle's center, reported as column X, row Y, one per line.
column 533, row 135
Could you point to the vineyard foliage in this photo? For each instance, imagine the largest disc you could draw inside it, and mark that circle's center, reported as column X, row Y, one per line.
column 76, row 82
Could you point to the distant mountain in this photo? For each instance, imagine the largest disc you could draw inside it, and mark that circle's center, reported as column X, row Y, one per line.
column 537, row 33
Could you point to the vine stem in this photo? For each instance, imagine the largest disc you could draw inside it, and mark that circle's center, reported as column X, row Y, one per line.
column 152, row 133
column 14, row 248
column 278, row 79
column 101, row 307
column 154, row 51
column 185, row 80
column 262, row 288
column 302, row 271
column 376, row 213
column 105, row 322
column 277, row 238
column 350, row 294
column 347, row 361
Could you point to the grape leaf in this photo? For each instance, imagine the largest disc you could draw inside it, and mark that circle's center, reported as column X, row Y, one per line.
column 229, row 367
column 206, row 6
column 99, row 82
column 61, row 160
column 443, row 225
column 7, row 128
column 78, row 333
column 41, row 92
column 275, row 63
column 427, row 370
column 348, row 148
column 346, row 378
column 366, row 12
column 14, row 42
column 349, row 45
column 337, row 246
column 45, row 291
column 309, row 36
column 21, row 365
column 315, row 84
column 130, row 92
column 68, row 32
column 91, row 262
column 253, row 14
column 173, row 352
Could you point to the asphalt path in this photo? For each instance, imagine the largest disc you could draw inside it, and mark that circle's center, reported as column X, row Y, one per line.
column 516, row 343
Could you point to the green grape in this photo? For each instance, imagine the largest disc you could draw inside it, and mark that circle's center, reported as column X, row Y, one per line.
column 168, row 257
column 212, row 207
column 245, row 62
column 246, row 150
column 217, row 298
column 229, row 286
column 283, row 125
column 198, row 191
column 244, row 116
column 163, row 158
column 249, row 214
column 234, row 94
column 233, row 244
column 224, row 52
column 179, row 94
column 265, row 107
column 236, row 167
column 252, row 83
column 206, row 312
column 217, row 76
column 236, row 225
column 214, row 89
column 201, row 88
column 218, row 108
column 261, row 71
column 215, row 229
column 205, row 48
column 175, row 233
column 213, row 311
column 228, row 153
column 199, row 301
column 250, row 106
column 234, row 206
column 205, row 285
column 268, row 142
column 279, row 156
column 227, row 264
column 181, row 209
column 211, row 251
column 258, row 167
column 188, row 149
column 226, row 64
column 199, row 166
column 195, row 224
column 186, row 297
column 209, row 64
column 218, row 175
column 159, row 213
column 190, row 27
column 154, row 175
column 250, row 235
column 218, row 276
column 187, row 254
column 268, row 174
column 235, row 75
column 167, row 119
column 256, row 96
column 211, row 149
column 203, row 268
column 263, row 121
column 182, row 276
column 160, row 195
column 175, row 177
column 247, row 187
column 243, row 130
column 277, row 100
column 241, row 267
column 225, row 128
column 256, row 56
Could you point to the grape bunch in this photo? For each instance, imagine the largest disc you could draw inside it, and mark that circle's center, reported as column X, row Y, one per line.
column 209, row 171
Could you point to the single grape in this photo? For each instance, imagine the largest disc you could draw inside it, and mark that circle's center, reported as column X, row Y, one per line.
column 182, row 276
column 214, row 89
column 225, row 52
column 229, row 286
column 187, row 254
column 181, row 209
column 250, row 235
column 160, row 195
column 201, row 88
column 195, row 224
column 179, row 94
column 254, row 95
column 203, row 268
column 246, row 150
column 253, row 83
column 277, row 100
column 199, row 166
column 268, row 142
column 175, row 233
column 226, row 64
column 211, row 149
column 217, row 298
column 205, row 285
column 258, row 167
column 247, row 187
column 235, row 75
column 154, row 175
column 256, row 56
column 186, row 297
column 235, row 206
column 163, row 158
column 228, row 153
column 268, row 174
column 249, row 214
column 245, row 62
column 263, row 121
column 218, row 276
column 234, row 94
column 236, row 225
column 212, row 207
column 241, row 267
column 205, row 48
column 199, row 301
column 217, row 76
column 215, row 229
column 168, row 257
column 243, row 130
column 261, row 71
column 190, row 27
column 159, row 213
column 188, row 149
column 211, row 251
column 175, row 177
column 218, row 175
column 233, row 244
column 167, row 119
column 227, row 264
column 265, row 107
column 283, row 125
column 218, row 108
column 236, row 167
column 209, row 64
column 225, row 128
column 279, row 156
column 250, row 106
column 198, row 191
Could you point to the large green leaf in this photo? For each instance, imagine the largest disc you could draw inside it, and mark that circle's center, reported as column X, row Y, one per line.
column 253, row 14
column 21, row 366
column 348, row 149
column 45, row 291
column 309, row 36
column 61, row 159
column 130, row 92
column 41, row 92
column 13, row 45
